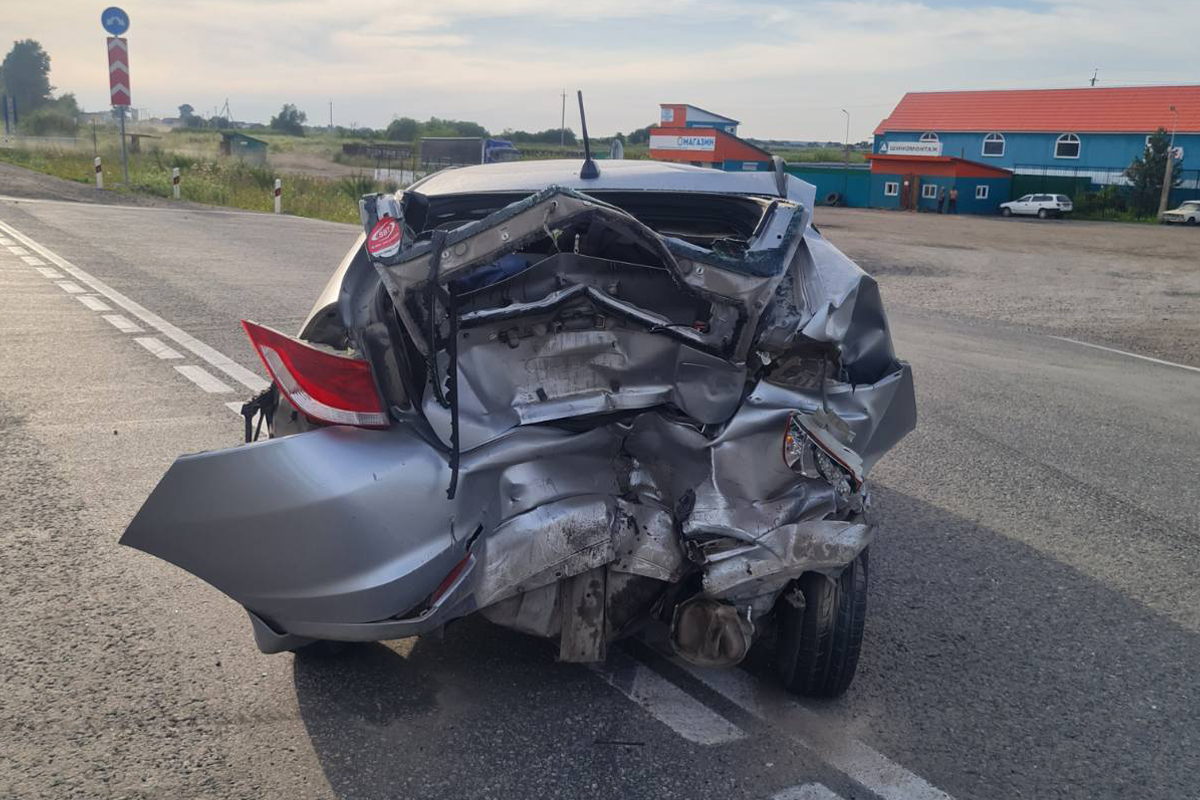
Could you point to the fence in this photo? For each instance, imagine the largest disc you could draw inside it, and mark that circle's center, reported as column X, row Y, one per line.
column 1074, row 181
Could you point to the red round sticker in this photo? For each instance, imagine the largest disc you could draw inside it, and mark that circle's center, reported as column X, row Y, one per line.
column 384, row 236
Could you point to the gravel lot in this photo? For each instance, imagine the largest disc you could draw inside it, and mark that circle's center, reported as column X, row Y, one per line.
column 1133, row 287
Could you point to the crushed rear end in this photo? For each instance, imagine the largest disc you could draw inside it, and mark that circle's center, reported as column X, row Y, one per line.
column 604, row 408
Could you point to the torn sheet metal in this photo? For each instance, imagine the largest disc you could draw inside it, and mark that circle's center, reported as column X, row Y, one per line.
column 611, row 403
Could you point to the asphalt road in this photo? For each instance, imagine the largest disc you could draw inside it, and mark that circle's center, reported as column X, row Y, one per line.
column 1034, row 611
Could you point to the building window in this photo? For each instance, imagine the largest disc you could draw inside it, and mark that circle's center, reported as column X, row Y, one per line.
column 929, row 136
column 929, row 191
column 981, row 192
column 1067, row 146
column 993, row 145
column 891, row 189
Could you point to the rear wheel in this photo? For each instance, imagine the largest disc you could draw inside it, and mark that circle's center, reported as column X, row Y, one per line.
column 819, row 643
column 1006, row 212
column 1190, row 221
column 1043, row 213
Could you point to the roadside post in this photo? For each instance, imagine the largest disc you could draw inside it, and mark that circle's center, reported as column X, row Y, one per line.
column 116, row 22
column 175, row 182
column 99, row 174
column 278, row 195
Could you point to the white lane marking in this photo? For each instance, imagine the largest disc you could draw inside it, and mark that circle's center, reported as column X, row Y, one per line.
column 32, row 261
column 6, row 242
column 49, row 273
column 808, row 791
column 856, row 759
column 157, row 348
column 123, row 324
column 70, row 287
column 186, row 210
column 235, row 406
column 666, row 702
column 203, row 379
column 94, row 303
column 214, row 358
column 1126, row 353
column 18, row 251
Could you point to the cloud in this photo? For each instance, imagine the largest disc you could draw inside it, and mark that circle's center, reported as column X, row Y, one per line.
column 785, row 69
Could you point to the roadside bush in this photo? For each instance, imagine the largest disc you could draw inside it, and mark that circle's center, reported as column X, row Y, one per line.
column 356, row 186
column 49, row 121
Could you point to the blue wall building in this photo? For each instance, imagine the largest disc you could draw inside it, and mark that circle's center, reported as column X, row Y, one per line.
column 1064, row 140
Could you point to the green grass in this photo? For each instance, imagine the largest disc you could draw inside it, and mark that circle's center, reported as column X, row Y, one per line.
column 204, row 179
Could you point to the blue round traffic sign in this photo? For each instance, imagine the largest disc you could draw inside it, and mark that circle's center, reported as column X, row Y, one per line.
column 114, row 20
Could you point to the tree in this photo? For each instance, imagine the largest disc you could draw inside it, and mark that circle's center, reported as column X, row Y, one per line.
column 1147, row 171
column 25, row 75
column 640, row 136
column 289, row 120
column 402, row 129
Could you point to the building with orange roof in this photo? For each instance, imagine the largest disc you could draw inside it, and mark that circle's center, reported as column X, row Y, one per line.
column 691, row 135
column 1055, row 140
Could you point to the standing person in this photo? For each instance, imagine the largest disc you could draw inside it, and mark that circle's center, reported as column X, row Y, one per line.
column 941, row 199
column 953, row 199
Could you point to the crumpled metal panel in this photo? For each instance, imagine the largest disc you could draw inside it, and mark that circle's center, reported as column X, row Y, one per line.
column 547, row 544
column 786, row 553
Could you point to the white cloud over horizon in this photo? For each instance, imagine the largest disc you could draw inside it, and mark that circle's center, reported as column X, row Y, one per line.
column 785, row 70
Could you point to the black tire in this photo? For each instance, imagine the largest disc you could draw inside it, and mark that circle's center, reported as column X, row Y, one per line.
column 1190, row 221
column 818, row 648
column 1043, row 213
column 1006, row 212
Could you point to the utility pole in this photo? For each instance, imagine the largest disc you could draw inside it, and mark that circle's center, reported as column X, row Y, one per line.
column 1095, row 72
column 562, row 127
column 846, row 162
column 1165, row 198
column 331, row 116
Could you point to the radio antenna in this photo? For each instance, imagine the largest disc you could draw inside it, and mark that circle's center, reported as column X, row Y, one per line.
column 590, row 171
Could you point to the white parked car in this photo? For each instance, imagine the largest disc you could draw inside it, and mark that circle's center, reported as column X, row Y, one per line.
column 1188, row 213
column 1043, row 205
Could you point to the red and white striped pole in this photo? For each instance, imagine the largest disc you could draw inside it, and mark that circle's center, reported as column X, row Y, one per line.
column 99, row 174
column 175, row 181
column 278, row 195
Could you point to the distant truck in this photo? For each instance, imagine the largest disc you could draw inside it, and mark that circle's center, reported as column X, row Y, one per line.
column 459, row 151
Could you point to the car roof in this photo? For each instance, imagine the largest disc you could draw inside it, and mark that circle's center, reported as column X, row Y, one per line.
column 615, row 175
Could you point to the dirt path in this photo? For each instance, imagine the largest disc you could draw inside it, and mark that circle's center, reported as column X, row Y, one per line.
column 1133, row 287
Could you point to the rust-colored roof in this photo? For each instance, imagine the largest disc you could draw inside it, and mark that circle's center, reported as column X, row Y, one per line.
column 1127, row 109
column 964, row 168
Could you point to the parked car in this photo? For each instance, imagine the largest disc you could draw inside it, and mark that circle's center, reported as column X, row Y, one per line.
column 578, row 404
column 1041, row 205
column 1188, row 213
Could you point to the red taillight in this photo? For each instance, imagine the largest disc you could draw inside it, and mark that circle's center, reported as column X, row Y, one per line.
column 448, row 582
column 326, row 387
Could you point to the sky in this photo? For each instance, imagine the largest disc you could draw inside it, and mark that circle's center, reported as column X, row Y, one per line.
column 785, row 70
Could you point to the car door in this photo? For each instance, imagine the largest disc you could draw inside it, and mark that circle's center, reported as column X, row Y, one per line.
column 1023, row 205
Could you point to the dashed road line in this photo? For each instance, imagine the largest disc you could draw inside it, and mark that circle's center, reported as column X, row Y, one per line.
column 214, row 358
column 666, row 702
column 203, row 379
column 47, row 272
column 18, row 251
column 235, row 406
column 70, row 287
column 92, row 302
column 157, row 348
column 32, row 261
column 123, row 324
column 808, row 791
column 857, row 760
column 1127, row 353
